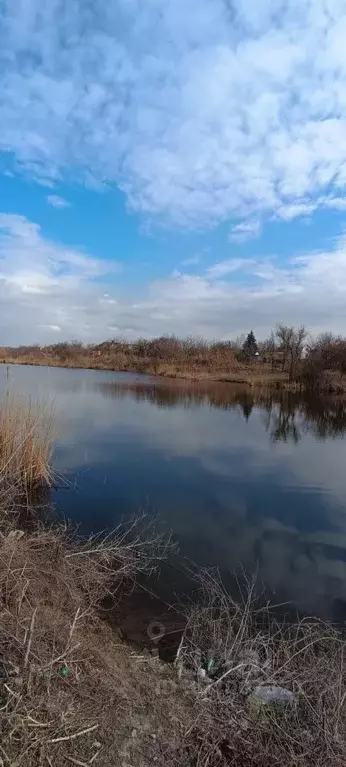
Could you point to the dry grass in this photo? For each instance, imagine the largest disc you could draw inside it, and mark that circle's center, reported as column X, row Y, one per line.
column 70, row 691
column 26, row 444
column 239, row 646
column 166, row 356
column 73, row 693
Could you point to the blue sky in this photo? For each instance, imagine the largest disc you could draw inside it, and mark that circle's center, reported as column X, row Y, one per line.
column 171, row 166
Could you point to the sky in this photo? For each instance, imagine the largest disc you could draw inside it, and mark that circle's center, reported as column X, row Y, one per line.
column 171, row 166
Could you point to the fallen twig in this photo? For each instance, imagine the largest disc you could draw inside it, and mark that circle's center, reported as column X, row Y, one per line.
column 26, row 660
column 75, row 735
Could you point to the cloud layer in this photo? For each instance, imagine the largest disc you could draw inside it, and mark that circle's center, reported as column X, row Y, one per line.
column 50, row 292
column 200, row 111
column 45, row 288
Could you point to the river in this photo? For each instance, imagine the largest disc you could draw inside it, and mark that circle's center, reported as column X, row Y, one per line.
column 241, row 480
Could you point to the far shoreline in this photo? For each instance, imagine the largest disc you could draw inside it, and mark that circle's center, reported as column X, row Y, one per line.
column 287, row 360
column 259, row 380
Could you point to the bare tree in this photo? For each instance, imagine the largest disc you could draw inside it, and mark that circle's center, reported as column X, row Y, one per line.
column 268, row 349
column 291, row 343
column 284, row 334
column 296, row 349
column 329, row 350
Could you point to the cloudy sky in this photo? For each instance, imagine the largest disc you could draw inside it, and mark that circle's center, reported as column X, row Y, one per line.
column 171, row 166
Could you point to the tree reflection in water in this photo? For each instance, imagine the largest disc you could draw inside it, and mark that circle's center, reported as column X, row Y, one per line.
column 287, row 416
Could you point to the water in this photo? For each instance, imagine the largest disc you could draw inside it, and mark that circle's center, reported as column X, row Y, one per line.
column 257, row 481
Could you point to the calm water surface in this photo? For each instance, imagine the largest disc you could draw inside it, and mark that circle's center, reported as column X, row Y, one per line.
column 239, row 479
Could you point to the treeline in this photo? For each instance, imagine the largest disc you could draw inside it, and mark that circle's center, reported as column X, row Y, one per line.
column 287, row 354
column 153, row 355
column 305, row 359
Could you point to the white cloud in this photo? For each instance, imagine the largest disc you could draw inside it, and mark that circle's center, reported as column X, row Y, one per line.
column 57, row 202
column 294, row 210
column 200, row 111
column 338, row 203
column 48, row 290
column 45, row 287
column 310, row 290
column 246, row 230
column 304, row 209
column 229, row 266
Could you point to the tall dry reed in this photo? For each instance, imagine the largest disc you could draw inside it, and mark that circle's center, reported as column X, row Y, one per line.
column 26, row 443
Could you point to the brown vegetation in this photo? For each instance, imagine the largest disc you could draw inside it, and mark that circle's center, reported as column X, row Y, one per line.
column 26, row 441
column 285, row 359
column 71, row 691
column 160, row 356
column 242, row 650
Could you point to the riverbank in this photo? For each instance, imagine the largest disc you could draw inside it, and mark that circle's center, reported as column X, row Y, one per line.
column 241, row 376
column 275, row 367
column 74, row 692
column 205, row 368
column 241, row 688
column 253, row 376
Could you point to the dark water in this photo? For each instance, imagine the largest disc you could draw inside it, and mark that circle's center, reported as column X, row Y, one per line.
column 258, row 481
